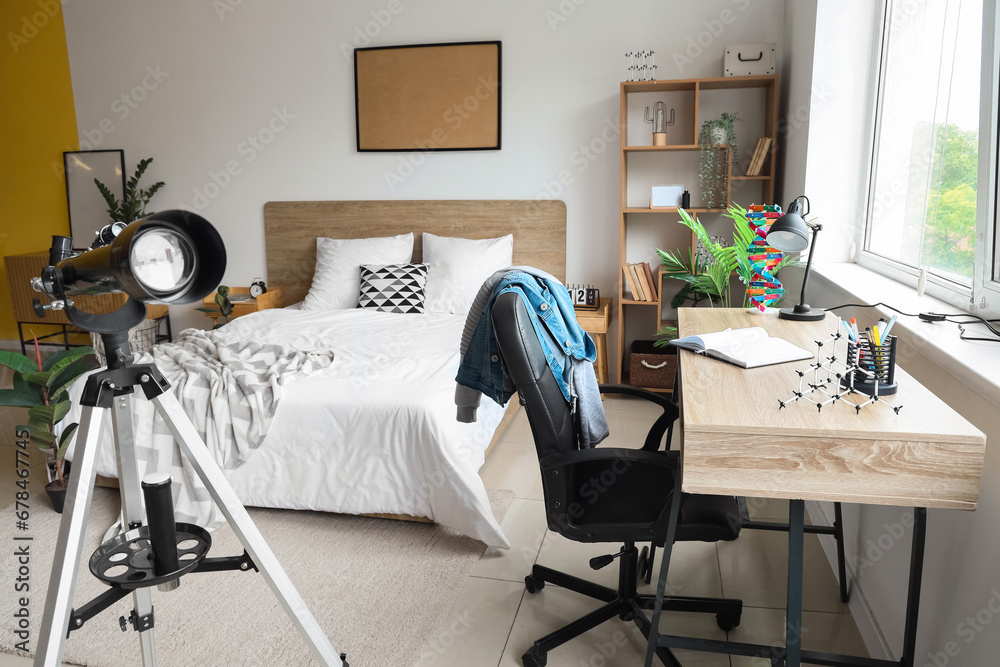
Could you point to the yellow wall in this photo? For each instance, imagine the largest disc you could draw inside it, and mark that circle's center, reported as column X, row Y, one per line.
column 37, row 123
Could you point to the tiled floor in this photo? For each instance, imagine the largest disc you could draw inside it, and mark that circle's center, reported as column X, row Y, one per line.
column 494, row 620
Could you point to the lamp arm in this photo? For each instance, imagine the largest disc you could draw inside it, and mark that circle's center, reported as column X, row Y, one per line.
column 812, row 246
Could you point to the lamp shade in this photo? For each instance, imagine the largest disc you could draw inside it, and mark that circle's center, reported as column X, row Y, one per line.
column 789, row 233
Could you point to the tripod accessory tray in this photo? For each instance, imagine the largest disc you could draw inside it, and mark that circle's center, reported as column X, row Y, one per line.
column 126, row 561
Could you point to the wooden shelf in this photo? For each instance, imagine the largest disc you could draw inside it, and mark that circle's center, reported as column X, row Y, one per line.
column 653, row 149
column 697, row 97
column 670, row 209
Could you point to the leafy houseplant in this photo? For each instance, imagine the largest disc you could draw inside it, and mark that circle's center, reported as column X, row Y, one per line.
column 708, row 277
column 42, row 387
column 713, row 168
column 134, row 199
column 223, row 305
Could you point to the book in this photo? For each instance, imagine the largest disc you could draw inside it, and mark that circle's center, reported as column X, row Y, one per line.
column 760, row 154
column 647, row 271
column 750, row 347
column 754, row 156
column 629, row 283
column 640, row 291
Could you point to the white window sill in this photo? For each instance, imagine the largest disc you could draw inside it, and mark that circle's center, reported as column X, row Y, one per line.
column 973, row 363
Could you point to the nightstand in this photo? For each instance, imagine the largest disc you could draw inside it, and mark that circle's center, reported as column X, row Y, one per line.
column 596, row 323
column 272, row 298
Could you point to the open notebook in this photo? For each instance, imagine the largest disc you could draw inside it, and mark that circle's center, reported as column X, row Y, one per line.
column 750, row 347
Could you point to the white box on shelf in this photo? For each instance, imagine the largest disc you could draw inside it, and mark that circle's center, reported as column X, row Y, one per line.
column 666, row 195
column 749, row 59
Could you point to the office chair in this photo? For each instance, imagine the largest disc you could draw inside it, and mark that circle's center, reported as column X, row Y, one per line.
column 605, row 494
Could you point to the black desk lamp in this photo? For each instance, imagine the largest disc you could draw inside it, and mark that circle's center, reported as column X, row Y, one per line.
column 790, row 233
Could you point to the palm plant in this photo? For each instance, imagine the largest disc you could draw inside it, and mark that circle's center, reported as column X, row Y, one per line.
column 708, row 277
column 134, row 199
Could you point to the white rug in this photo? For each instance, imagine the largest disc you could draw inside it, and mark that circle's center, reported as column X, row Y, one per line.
column 380, row 589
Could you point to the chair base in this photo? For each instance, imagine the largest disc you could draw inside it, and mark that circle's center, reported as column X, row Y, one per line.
column 625, row 603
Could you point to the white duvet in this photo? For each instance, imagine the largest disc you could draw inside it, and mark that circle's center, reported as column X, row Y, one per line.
column 373, row 433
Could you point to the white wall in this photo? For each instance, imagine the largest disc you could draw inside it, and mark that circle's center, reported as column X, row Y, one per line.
column 224, row 73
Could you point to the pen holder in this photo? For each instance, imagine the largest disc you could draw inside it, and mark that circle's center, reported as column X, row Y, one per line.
column 872, row 366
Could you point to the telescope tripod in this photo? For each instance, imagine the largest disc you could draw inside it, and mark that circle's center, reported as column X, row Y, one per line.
column 149, row 550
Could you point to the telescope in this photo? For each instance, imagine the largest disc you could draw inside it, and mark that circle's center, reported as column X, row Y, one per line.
column 167, row 257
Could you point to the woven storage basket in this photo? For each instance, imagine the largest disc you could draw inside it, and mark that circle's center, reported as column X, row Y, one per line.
column 651, row 366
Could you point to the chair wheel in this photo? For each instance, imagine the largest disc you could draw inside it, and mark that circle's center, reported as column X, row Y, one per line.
column 533, row 584
column 727, row 622
column 534, row 658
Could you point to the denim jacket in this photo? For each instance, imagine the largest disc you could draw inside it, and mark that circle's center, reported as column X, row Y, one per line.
column 569, row 351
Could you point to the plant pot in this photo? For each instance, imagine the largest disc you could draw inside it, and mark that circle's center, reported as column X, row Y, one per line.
column 719, row 136
column 57, row 496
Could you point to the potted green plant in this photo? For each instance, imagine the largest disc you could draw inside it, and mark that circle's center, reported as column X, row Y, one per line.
column 713, row 167
column 134, row 200
column 708, row 276
column 42, row 387
column 222, row 305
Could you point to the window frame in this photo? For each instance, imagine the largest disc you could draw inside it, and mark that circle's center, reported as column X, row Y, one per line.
column 983, row 296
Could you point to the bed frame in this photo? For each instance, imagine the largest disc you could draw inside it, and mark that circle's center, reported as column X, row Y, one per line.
column 292, row 227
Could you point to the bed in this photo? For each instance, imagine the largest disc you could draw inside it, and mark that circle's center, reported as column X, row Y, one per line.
column 375, row 431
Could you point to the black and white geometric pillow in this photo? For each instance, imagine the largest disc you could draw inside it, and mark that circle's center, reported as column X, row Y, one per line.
column 393, row 288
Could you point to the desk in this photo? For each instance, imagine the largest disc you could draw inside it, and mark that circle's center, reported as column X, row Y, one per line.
column 596, row 323
column 736, row 441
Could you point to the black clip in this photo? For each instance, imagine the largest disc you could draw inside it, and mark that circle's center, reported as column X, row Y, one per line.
column 138, row 623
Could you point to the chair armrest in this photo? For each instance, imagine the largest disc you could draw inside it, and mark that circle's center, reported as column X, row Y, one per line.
column 663, row 424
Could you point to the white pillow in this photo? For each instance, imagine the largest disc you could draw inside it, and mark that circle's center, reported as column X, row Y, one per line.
column 459, row 267
column 337, row 279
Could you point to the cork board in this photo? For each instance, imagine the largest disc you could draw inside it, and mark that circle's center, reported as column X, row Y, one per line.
column 439, row 97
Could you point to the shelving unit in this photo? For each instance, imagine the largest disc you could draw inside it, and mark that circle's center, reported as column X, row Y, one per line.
column 696, row 100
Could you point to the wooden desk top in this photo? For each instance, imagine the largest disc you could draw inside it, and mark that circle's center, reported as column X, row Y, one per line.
column 736, row 440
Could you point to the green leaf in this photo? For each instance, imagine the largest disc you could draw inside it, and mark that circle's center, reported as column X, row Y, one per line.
column 64, row 440
column 19, row 397
column 39, row 436
column 50, row 414
column 17, row 362
column 65, row 357
column 40, row 378
column 69, row 375
column 208, row 310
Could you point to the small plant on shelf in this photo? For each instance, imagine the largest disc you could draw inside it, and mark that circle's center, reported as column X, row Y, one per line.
column 715, row 160
column 42, row 387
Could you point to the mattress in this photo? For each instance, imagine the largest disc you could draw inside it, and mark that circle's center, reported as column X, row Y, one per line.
column 375, row 432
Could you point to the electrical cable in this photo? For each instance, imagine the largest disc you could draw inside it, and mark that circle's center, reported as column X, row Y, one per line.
column 941, row 317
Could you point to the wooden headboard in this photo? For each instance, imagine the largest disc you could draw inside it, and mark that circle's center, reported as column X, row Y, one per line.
column 292, row 227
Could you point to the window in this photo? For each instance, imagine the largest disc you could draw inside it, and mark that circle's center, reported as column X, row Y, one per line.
column 924, row 199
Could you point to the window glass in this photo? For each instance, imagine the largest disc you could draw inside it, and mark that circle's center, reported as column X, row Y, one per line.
column 923, row 194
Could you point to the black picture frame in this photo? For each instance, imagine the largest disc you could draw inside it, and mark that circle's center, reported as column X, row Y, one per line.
column 449, row 83
column 88, row 212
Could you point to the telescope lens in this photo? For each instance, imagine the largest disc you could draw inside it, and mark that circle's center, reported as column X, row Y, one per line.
column 161, row 260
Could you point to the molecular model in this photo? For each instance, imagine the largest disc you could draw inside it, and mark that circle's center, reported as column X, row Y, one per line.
column 834, row 378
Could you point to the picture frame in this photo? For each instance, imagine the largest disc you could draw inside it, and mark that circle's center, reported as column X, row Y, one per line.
column 428, row 97
column 87, row 208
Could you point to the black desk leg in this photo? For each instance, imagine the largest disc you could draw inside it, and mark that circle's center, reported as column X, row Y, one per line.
column 661, row 583
column 838, row 525
column 793, row 624
column 913, row 594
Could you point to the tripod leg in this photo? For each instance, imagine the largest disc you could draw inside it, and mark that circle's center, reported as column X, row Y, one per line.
column 69, row 545
column 132, row 514
column 193, row 447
